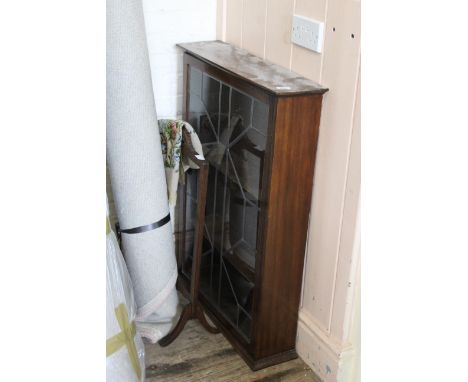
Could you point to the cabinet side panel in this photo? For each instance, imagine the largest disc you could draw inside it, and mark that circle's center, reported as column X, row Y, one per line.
column 292, row 169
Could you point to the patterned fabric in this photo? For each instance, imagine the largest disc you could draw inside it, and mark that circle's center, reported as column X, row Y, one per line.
column 171, row 141
column 170, row 131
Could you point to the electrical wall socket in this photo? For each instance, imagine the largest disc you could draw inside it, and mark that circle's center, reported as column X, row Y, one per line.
column 307, row 33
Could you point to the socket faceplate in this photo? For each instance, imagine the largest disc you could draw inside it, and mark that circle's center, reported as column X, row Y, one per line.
column 307, row 33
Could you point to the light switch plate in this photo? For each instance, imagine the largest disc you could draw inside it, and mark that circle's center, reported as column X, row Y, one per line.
column 307, row 33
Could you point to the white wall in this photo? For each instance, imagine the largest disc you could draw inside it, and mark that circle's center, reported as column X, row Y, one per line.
column 325, row 329
column 169, row 22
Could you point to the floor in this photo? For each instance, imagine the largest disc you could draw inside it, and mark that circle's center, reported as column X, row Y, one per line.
column 197, row 355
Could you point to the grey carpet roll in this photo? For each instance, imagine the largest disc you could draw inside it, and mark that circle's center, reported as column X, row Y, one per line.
column 136, row 168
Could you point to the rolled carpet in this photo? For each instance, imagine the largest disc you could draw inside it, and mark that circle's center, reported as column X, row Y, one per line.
column 137, row 171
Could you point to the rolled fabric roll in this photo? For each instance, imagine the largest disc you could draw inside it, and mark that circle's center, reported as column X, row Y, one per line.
column 125, row 352
column 136, row 169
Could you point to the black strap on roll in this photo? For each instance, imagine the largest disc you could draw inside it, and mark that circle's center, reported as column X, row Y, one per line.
column 143, row 228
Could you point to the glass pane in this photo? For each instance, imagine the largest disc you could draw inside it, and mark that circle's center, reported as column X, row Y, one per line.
column 241, row 113
column 236, row 298
column 224, row 114
column 200, row 119
column 215, row 216
column 232, row 127
column 243, row 212
column 246, row 155
column 210, row 97
column 203, row 103
column 231, row 292
column 260, row 117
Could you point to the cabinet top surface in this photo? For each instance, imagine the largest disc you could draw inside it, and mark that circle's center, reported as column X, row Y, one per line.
column 271, row 77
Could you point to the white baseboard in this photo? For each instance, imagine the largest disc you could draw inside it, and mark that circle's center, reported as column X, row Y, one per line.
column 329, row 359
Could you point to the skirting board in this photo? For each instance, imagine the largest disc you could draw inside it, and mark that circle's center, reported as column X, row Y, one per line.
column 331, row 361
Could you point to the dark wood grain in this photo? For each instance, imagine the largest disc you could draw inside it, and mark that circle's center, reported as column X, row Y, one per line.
column 192, row 309
column 284, row 199
column 290, row 189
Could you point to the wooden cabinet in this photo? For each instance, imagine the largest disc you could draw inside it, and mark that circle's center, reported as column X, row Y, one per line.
column 259, row 126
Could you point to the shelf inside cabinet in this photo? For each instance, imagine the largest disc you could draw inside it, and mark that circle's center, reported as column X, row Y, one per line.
column 241, row 264
column 240, row 255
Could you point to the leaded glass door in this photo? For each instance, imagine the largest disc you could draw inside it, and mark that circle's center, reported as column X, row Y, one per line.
column 232, row 127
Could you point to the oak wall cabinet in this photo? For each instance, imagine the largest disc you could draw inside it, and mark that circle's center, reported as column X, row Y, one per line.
column 259, row 125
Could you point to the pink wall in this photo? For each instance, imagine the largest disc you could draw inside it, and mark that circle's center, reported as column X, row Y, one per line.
column 332, row 260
